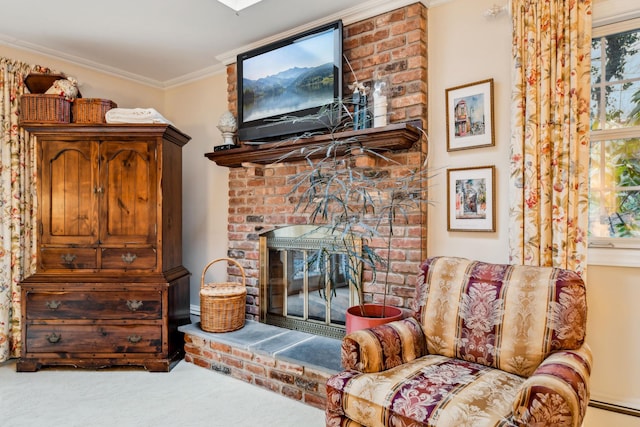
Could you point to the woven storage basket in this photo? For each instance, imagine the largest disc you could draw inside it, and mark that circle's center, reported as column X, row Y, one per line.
column 91, row 110
column 222, row 305
column 41, row 108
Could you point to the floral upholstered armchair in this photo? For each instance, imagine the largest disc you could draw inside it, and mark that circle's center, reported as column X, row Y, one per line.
column 488, row 345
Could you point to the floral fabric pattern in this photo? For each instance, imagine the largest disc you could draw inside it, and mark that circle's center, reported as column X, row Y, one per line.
column 387, row 346
column 490, row 345
column 549, row 173
column 17, row 203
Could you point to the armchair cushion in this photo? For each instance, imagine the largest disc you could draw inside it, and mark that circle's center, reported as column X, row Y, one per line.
column 431, row 390
column 508, row 317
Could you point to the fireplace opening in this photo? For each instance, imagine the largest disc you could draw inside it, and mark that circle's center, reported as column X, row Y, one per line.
column 305, row 283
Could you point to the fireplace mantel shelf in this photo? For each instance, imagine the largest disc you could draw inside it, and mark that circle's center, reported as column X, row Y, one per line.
column 397, row 136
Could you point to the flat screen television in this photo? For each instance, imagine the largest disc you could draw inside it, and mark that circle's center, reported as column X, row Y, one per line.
column 293, row 77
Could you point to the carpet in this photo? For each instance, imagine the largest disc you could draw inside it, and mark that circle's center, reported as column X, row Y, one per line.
column 188, row 396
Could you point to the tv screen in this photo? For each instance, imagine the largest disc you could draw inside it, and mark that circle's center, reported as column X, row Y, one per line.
column 293, row 77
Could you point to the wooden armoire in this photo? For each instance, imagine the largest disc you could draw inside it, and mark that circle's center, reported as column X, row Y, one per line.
column 109, row 288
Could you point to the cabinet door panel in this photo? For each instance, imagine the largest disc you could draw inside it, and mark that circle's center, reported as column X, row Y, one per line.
column 68, row 187
column 128, row 173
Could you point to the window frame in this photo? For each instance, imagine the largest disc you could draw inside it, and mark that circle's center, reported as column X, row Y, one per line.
column 611, row 251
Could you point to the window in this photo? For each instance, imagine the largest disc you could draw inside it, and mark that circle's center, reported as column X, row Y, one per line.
column 614, row 186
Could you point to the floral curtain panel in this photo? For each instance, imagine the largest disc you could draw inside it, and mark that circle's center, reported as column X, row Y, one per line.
column 17, row 203
column 549, row 175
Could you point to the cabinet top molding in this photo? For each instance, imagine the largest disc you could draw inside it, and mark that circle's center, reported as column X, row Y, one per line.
column 397, row 136
column 101, row 129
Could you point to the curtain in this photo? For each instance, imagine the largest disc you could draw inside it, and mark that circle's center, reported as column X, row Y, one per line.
column 549, row 165
column 17, row 204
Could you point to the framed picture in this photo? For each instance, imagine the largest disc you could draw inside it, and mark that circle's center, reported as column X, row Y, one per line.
column 470, row 116
column 471, row 199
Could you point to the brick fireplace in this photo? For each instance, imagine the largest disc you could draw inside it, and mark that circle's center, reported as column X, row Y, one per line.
column 393, row 45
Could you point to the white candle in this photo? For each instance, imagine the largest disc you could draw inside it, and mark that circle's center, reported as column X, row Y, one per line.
column 380, row 111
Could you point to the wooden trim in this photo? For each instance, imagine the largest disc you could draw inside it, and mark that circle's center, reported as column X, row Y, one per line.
column 396, row 136
column 615, row 408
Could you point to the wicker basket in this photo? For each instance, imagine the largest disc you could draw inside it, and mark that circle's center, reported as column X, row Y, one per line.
column 222, row 305
column 91, row 110
column 41, row 108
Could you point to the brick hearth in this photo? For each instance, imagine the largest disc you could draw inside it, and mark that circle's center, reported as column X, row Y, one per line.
column 292, row 363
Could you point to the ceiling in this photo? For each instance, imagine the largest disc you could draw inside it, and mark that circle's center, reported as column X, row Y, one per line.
column 164, row 44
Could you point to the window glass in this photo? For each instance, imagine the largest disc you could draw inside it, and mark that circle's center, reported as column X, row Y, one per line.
column 614, row 197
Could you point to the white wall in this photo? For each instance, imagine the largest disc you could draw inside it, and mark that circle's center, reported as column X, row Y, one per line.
column 196, row 108
column 466, row 47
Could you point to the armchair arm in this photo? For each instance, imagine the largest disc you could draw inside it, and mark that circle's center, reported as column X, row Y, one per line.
column 383, row 347
column 557, row 393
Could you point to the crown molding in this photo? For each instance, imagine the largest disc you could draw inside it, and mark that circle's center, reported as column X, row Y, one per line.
column 95, row 66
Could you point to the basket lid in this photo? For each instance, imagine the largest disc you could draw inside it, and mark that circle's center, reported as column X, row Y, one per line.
column 223, row 290
column 40, row 83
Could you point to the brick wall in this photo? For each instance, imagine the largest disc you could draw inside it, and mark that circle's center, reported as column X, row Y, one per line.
column 394, row 46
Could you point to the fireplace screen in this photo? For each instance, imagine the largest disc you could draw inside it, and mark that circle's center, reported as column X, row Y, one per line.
column 301, row 289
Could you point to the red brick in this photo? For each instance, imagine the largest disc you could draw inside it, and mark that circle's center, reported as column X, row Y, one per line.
column 265, row 360
column 242, row 375
column 281, row 377
column 232, row 362
column 192, row 349
column 202, row 363
column 291, row 392
column 268, row 384
column 220, row 347
column 290, row 367
column 315, row 400
column 256, row 369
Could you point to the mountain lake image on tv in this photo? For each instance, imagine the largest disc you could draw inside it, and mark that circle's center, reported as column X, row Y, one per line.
column 296, row 76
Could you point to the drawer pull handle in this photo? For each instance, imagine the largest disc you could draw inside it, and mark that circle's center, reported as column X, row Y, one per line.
column 129, row 257
column 53, row 305
column 68, row 258
column 134, row 339
column 54, row 338
column 133, row 304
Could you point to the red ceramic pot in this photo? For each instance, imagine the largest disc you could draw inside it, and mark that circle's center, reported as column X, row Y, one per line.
column 372, row 316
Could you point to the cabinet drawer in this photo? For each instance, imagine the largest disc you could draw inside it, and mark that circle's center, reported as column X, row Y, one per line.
column 71, row 258
column 94, row 338
column 129, row 258
column 94, row 305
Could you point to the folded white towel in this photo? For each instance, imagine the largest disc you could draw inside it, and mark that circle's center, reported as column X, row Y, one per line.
column 134, row 115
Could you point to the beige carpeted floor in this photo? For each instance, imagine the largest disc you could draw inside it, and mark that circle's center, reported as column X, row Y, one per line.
column 188, row 396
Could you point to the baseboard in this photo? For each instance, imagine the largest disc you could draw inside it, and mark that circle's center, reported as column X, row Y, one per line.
column 194, row 309
column 615, row 408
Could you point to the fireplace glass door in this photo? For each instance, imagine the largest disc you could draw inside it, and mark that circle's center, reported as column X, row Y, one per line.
column 305, row 290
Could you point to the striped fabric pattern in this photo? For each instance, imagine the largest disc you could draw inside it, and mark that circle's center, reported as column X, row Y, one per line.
column 509, row 317
column 432, row 390
column 490, row 345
